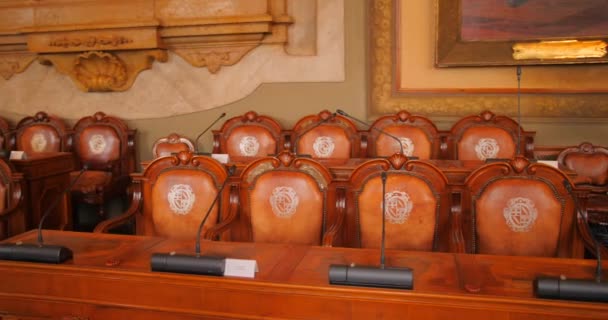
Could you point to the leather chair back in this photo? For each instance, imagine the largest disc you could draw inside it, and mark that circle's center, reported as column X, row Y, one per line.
column 488, row 136
column 284, row 200
column 335, row 138
column 418, row 135
column 588, row 161
column 521, row 208
column 172, row 144
column 416, row 205
column 42, row 133
column 249, row 135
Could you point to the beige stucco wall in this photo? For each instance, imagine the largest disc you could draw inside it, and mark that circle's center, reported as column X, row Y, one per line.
column 287, row 102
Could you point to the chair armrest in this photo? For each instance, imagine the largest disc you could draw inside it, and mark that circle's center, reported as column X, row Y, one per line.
column 216, row 231
column 123, row 218
column 586, row 234
column 333, row 232
column 17, row 199
column 456, row 243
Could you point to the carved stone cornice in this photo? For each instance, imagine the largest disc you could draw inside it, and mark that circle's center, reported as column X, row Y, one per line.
column 11, row 63
column 96, row 71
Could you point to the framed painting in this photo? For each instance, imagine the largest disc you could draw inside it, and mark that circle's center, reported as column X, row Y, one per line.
column 521, row 32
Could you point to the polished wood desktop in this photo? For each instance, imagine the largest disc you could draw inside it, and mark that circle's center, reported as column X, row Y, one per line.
column 110, row 278
column 47, row 176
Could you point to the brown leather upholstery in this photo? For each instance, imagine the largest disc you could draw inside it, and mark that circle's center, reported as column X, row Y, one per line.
column 419, row 136
column 326, row 135
column 172, row 144
column 106, row 146
column 249, row 135
column 12, row 212
column 4, row 135
column 519, row 208
column 590, row 163
column 488, row 136
column 286, row 200
column 173, row 194
column 42, row 133
column 416, row 200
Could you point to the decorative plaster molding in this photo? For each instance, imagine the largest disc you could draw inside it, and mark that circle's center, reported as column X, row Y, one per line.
column 96, row 71
column 11, row 63
column 214, row 58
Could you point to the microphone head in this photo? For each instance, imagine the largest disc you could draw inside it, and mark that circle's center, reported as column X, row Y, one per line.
column 340, row 112
column 383, row 175
column 223, row 114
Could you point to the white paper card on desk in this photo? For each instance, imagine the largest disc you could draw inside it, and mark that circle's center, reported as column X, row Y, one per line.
column 17, row 155
column 241, row 268
column 221, row 157
column 552, row 163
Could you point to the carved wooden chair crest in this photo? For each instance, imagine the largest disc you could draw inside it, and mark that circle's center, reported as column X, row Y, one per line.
column 286, row 200
column 418, row 135
column 249, row 135
column 42, row 133
column 488, row 136
column 172, row 196
column 171, row 144
column 12, row 215
column 107, row 147
column 327, row 135
column 522, row 208
column 417, row 205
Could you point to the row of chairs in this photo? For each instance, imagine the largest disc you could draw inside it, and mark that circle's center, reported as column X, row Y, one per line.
column 102, row 143
column 508, row 208
column 327, row 135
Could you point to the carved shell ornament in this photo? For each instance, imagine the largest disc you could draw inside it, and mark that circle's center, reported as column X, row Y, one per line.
column 100, row 71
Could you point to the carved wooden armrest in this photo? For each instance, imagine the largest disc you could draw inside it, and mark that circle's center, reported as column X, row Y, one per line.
column 333, row 233
column 456, row 243
column 216, row 231
column 588, row 239
column 14, row 208
column 126, row 216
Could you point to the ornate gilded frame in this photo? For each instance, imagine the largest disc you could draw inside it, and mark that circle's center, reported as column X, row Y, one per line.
column 384, row 96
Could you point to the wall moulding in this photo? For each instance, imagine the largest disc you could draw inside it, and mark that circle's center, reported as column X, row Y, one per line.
column 127, row 36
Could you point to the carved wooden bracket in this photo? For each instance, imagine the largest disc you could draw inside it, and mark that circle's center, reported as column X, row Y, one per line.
column 103, row 46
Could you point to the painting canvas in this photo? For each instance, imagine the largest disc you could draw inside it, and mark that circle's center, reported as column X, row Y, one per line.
column 484, row 32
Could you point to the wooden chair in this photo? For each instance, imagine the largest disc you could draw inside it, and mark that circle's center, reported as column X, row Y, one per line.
column 173, row 194
column 172, row 144
column 418, row 135
column 5, row 135
column 327, row 135
column 488, row 136
column 522, row 208
column 287, row 200
column 107, row 147
column 249, row 135
column 590, row 163
column 417, row 204
column 42, row 133
column 12, row 213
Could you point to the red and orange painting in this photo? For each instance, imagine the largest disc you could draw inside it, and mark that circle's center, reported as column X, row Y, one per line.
column 516, row 20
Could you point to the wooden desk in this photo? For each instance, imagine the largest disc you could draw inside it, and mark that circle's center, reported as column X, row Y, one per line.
column 47, row 176
column 292, row 284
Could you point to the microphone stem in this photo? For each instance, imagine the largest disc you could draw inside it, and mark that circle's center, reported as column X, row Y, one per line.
column 295, row 146
column 379, row 130
column 382, row 244
column 518, row 110
column 207, row 129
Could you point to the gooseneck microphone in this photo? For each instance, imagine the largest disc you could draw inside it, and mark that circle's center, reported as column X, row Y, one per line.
column 342, row 113
column 204, row 131
column 40, row 252
column 518, row 110
column 307, row 130
column 197, row 264
column 368, row 276
column 575, row 289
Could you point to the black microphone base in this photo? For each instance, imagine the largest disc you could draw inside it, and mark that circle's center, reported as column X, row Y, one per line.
column 366, row 276
column 580, row 290
column 35, row 253
column 177, row 263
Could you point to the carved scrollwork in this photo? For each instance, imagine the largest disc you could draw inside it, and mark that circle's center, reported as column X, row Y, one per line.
column 215, row 57
column 14, row 63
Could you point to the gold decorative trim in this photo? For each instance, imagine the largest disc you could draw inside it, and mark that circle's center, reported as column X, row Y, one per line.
column 97, row 71
column 565, row 49
column 385, row 100
column 213, row 57
column 11, row 63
